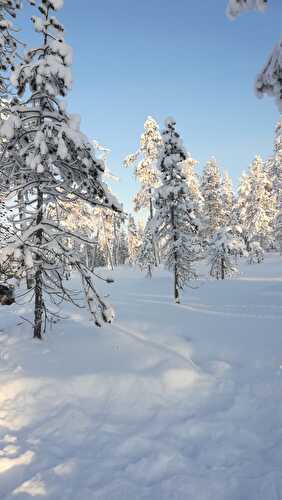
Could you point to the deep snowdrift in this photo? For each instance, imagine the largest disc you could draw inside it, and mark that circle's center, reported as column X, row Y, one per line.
column 171, row 402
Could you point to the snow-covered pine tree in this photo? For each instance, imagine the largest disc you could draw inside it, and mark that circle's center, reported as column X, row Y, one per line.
column 122, row 248
column 275, row 170
column 256, row 205
column 145, row 164
column 274, row 163
column 211, row 191
column 5, row 226
column 193, row 184
column 77, row 216
column 227, row 199
column 134, row 240
column 222, row 249
column 45, row 160
column 108, row 235
column 278, row 225
column 146, row 173
column 175, row 224
column 244, row 189
column 100, row 225
column 146, row 255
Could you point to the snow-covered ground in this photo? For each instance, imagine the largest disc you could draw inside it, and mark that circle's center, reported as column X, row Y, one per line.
column 171, row 402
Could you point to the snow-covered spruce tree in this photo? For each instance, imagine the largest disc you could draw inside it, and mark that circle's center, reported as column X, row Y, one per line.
column 213, row 205
column 222, row 249
column 45, row 160
column 134, row 240
column 176, row 227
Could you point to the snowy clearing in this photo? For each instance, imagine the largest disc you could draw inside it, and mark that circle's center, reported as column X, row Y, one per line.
column 170, row 402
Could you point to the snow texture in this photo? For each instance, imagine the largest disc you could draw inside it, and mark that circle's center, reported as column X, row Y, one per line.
column 170, row 402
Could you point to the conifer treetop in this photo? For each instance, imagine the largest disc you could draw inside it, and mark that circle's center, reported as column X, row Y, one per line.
column 46, row 141
column 46, row 69
column 145, row 162
column 8, row 42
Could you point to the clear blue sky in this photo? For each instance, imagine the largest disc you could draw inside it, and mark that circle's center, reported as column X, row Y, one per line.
column 186, row 59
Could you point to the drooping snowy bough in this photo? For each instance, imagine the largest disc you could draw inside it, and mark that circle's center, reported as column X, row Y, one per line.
column 269, row 80
column 45, row 161
column 235, row 7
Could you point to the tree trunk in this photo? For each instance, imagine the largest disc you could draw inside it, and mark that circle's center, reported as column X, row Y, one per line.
column 247, row 243
column 115, row 244
column 176, row 288
column 155, row 250
column 151, row 205
column 110, row 258
column 176, row 283
column 222, row 268
column 39, row 303
column 95, row 250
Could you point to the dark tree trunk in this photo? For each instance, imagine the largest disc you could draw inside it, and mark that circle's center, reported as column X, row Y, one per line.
column 176, row 282
column 247, row 243
column 222, row 268
column 39, row 303
column 38, row 311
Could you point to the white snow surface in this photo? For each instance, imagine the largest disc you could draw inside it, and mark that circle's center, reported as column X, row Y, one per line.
column 170, row 402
